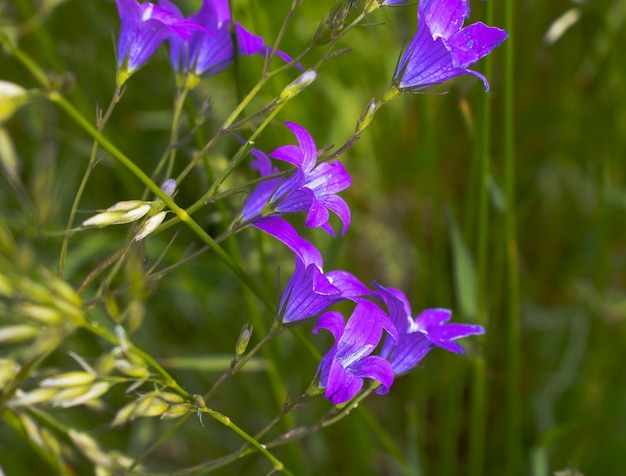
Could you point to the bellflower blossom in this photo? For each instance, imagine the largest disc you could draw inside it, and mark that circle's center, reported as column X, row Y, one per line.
column 417, row 336
column 442, row 49
column 349, row 361
column 311, row 188
column 208, row 53
column 144, row 27
column 310, row 291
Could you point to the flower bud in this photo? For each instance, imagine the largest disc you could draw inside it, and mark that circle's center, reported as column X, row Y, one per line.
column 366, row 117
column 244, row 339
column 298, row 85
column 169, row 187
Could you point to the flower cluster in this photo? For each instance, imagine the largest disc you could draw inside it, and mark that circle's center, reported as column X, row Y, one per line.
column 381, row 339
column 201, row 44
column 401, row 340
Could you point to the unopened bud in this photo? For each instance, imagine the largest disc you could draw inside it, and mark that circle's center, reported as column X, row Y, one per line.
column 169, row 187
column 297, row 86
column 244, row 339
column 366, row 118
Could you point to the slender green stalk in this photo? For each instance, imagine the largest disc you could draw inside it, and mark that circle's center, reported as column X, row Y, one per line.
column 83, row 183
column 513, row 361
column 224, row 420
column 478, row 389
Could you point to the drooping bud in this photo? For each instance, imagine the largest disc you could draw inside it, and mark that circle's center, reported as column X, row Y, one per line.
column 244, row 339
column 366, row 117
column 299, row 85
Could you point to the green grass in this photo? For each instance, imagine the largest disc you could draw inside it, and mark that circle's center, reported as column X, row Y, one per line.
column 507, row 207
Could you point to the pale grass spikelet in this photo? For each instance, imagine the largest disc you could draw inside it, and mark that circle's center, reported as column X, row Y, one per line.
column 8, row 370
column 18, row 333
column 12, row 96
column 150, row 225
column 119, row 214
column 68, row 379
column 154, row 404
column 34, row 397
column 74, row 396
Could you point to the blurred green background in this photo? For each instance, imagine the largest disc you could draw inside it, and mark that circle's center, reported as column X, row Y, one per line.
column 544, row 390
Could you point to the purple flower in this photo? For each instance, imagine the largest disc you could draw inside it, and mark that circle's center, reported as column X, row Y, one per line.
column 310, row 291
column 311, row 188
column 348, row 362
column 208, row 53
column 417, row 336
column 144, row 27
column 442, row 49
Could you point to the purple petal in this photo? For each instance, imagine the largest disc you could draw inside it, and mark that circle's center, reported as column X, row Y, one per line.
column 444, row 17
column 474, row 42
column 341, row 385
column 307, row 145
column 375, row 368
column 431, row 318
column 363, row 332
column 289, row 153
column 410, row 349
column 307, row 294
column 299, row 201
column 283, row 231
column 340, row 208
column 351, row 287
column 333, row 322
column 247, row 42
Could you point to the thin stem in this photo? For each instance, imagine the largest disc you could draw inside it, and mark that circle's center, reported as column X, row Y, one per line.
column 513, row 363
column 81, row 188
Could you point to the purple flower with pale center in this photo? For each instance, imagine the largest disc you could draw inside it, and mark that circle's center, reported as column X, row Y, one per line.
column 310, row 291
column 144, row 27
column 442, row 49
column 349, row 361
column 311, row 188
column 209, row 53
column 417, row 336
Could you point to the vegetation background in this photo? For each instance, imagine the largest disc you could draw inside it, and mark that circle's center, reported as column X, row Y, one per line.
column 432, row 215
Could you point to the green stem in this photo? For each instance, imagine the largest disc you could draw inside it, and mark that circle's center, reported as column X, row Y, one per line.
column 224, row 420
column 513, row 364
